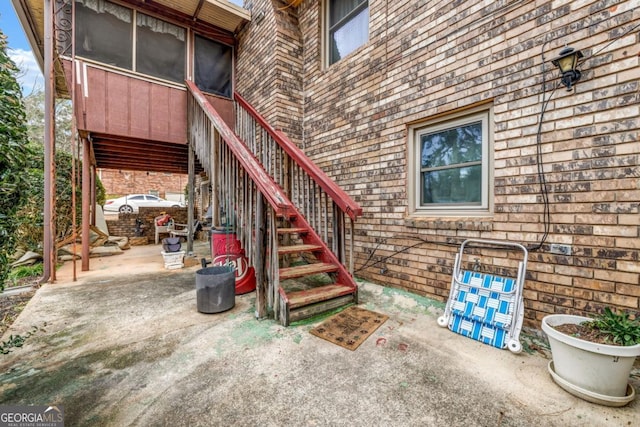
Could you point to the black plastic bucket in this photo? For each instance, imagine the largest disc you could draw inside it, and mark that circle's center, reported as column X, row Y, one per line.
column 215, row 289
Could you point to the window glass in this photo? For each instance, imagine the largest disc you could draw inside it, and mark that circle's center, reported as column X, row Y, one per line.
column 212, row 66
column 134, row 198
column 453, row 164
column 450, row 165
column 160, row 48
column 348, row 27
column 104, row 32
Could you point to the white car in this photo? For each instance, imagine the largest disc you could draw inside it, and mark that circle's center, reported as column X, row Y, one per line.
column 131, row 203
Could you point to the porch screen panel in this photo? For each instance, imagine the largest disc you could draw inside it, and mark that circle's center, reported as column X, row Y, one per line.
column 104, row 32
column 212, row 66
column 160, row 48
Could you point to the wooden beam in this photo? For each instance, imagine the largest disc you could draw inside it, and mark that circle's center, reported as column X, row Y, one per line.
column 49, row 253
column 200, row 26
column 197, row 11
column 86, row 200
column 260, row 258
column 191, row 200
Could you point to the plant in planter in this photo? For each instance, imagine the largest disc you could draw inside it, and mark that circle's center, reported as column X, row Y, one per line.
column 593, row 357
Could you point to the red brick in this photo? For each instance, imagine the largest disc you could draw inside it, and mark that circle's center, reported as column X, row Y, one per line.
column 352, row 119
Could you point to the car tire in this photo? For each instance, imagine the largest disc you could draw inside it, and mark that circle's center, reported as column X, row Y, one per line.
column 125, row 209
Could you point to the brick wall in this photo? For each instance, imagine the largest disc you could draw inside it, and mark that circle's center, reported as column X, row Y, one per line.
column 125, row 224
column 118, row 183
column 425, row 59
column 269, row 66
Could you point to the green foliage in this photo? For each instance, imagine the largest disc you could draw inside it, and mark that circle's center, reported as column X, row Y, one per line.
column 101, row 192
column 34, row 108
column 31, row 214
column 618, row 326
column 23, row 271
column 14, row 155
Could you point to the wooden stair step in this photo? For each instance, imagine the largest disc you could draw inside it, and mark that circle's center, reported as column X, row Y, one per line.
column 293, row 230
column 314, row 295
column 306, row 270
column 299, row 248
column 308, row 311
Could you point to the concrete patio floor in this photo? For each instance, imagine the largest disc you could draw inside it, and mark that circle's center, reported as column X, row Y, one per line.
column 124, row 345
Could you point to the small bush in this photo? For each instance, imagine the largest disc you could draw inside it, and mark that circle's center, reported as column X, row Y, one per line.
column 24, row 271
column 619, row 328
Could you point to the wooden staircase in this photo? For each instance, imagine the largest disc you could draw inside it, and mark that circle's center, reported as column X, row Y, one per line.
column 336, row 290
column 291, row 217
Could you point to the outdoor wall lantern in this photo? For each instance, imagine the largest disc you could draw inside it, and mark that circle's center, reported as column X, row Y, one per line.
column 567, row 62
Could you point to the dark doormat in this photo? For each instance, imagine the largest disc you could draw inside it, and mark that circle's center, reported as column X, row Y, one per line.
column 350, row 327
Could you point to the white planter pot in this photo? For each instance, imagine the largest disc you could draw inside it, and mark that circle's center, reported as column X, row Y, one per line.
column 595, row 372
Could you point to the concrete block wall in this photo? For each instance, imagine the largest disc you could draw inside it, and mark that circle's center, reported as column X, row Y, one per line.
column 125, row 224
column 430, row 59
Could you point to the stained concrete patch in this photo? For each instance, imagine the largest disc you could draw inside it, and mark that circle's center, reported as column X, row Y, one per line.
column 131, row 349
column 318, row 388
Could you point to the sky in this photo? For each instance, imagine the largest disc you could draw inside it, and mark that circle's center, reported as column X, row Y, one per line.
column 19, row 50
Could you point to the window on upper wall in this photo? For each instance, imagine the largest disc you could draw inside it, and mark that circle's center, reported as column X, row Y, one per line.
column 451, row 163
column 212, row 66
column 160, row 48
column 104, row 32
column 348, row 27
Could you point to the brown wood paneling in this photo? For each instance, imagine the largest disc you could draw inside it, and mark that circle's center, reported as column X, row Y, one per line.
column 117, row 107
column 224, row 107
column 178, row 115
column 140, row 93
column 126, row 114
column 95, row 101
column 131, row 107
column 160, row 112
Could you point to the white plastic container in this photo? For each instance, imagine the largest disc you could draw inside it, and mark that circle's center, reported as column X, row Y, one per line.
column 595, row 372
column 173, row 260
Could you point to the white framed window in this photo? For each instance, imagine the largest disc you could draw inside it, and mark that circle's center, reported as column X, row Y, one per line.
column 451, row 165
column 347, row 27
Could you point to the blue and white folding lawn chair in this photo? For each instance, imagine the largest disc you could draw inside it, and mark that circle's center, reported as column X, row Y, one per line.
column 486, row 307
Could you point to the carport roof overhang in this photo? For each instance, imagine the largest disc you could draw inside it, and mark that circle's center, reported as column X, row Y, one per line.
column 111, row 152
